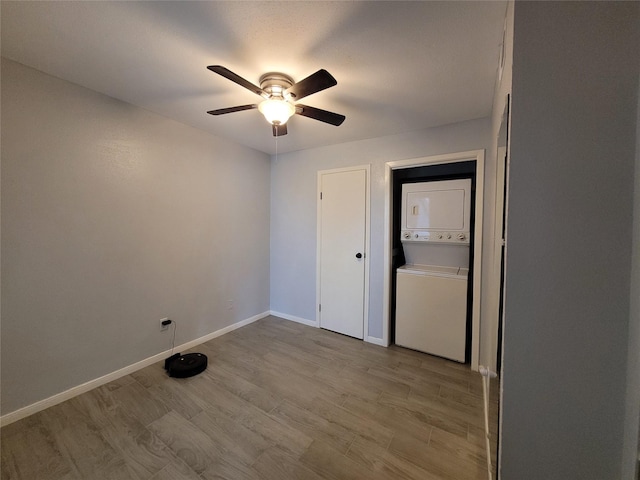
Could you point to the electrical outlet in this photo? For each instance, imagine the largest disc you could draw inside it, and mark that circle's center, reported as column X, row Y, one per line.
column 164, row 325
column 229, row 304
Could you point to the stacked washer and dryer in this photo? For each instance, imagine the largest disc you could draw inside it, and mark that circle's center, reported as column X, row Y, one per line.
column 431, row 288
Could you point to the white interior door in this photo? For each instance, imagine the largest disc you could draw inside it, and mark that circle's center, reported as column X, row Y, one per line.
column 342, row 252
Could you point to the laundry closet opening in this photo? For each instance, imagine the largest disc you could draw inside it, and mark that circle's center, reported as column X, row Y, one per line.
column 431, row 294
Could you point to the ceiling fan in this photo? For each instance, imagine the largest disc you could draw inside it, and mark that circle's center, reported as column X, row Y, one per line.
column 280, row 92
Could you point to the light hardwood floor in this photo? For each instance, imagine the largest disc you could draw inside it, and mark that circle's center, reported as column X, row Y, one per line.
column 279, row 400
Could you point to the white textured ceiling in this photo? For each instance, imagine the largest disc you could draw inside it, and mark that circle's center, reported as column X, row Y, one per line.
column 400, row 66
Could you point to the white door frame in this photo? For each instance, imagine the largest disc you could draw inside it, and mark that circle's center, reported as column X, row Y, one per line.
column 367, row 239
column 473, row 155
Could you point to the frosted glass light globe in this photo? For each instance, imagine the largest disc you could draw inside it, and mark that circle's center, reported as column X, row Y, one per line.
column 276, row 111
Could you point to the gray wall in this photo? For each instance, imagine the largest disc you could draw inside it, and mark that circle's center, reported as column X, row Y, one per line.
column 112, row 218
column 575, row 85
column 293, row 209
column 631, row 453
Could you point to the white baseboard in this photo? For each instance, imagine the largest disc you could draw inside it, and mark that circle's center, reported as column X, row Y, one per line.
column 110, row 377
column 286, row 316
column 313, row 323
column 376, row 341
column 219, row 333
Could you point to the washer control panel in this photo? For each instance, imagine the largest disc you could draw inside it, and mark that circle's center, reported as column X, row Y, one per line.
column 436, row 237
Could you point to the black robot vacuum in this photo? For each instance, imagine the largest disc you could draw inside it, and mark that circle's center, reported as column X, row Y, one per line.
column 187, row 365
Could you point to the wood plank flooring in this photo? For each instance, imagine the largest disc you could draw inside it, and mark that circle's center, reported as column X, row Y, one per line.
column 279, row 401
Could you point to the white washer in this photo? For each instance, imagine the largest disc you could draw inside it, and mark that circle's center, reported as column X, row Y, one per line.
column 431, row 310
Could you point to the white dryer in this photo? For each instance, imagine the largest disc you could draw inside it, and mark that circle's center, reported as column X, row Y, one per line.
column 431, row 310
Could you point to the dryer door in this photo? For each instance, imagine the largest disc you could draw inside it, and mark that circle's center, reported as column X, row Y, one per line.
column 431, row 314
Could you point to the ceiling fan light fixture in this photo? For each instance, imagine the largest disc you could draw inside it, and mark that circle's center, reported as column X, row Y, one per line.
column 280, row 92
column 277, row 111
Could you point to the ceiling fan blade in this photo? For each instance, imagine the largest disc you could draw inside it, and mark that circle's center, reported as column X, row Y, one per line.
column 319, row 114
column 279, row 130
column 313, row 83
column 222, row 111
column 234, row 77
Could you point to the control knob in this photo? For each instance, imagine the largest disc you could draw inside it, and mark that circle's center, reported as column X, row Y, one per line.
column 449, row 236
column 461, row 236
column 407, row 235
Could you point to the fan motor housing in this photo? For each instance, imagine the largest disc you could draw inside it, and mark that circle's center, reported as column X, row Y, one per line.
column 275, row 83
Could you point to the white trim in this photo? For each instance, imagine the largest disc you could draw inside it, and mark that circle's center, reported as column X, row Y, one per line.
column 286, row 316
column 386, row 255
column 367, row 249
column 494, row 287
column 376, row 341
column 318, row 245
column 477, row 263
column 367, row 239
column 478, row 156
column 311, row 323
column 110, row 377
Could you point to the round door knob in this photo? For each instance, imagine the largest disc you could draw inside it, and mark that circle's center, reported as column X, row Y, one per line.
column 358, row 255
